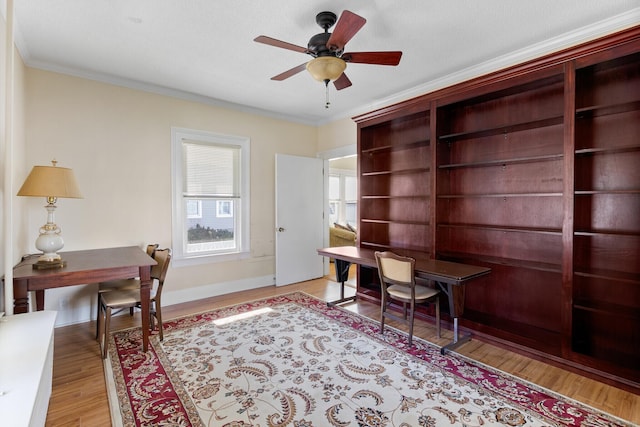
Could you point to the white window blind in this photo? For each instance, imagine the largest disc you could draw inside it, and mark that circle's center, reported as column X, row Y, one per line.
column 211, row 170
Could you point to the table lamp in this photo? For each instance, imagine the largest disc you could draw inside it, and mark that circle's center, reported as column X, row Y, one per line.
column 50, row 182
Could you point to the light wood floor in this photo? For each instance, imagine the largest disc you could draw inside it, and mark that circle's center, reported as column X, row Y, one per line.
column 79, row 394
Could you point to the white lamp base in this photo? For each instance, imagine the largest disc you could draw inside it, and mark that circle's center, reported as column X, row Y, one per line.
column 49, row 244
column 50, row 240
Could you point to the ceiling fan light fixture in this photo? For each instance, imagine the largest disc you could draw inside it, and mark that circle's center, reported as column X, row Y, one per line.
column 325, row 68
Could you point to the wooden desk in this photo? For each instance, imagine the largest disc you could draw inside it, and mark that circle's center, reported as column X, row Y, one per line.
column 451, row 277
column 83, row 267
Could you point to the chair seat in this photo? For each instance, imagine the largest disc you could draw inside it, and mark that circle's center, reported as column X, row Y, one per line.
column 397, row 281
column 121, row 298
column 119, row 284
column 404, row 292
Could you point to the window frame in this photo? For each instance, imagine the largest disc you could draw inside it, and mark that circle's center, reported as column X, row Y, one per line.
column 198, row 213
column 179, row 215
column 221, row 210
column 342, row 202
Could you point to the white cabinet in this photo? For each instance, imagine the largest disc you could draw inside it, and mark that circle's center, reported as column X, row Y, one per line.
column 26, row 368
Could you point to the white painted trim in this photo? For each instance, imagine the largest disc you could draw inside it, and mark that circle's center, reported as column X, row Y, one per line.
column 215, row 289
column 325, row 213
column 574, row 38
column 7, row 162
column 165, row 91
column 336, row 153
column 178, row 135
column 85, row 310
column 345, row 172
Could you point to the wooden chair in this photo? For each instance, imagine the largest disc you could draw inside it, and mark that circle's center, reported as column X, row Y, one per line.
column 120, row 284
column 128, row 296
column 397, row 282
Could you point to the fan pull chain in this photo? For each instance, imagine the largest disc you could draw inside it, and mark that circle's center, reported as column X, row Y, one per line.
column 326, row 85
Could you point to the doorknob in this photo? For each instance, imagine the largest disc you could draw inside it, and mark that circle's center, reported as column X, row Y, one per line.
column 280, row 229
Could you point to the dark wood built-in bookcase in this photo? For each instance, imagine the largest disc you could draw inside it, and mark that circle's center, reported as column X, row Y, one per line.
column 606, row 228
column 533, row 171
column 499, row 203
column 394, row 189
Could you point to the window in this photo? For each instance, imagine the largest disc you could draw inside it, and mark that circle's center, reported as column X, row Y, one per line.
column 224, row 209
column 194, row 209
column 343, row 197
column 210, row 195
column 351, row 199
column 334, row 198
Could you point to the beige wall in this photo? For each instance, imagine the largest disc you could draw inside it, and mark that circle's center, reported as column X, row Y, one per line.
column 337, row 134
column 117, row 141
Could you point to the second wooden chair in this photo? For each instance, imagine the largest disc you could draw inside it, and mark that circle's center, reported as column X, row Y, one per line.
column 128, row 296
column 397, row 282
column 113, row 285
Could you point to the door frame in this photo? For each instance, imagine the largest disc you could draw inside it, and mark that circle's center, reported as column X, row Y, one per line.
column 335, row 153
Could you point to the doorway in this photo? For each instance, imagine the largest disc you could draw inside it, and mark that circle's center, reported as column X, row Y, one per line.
column 340, row 159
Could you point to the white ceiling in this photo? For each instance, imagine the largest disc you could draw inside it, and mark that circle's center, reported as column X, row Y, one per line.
column 204, row 49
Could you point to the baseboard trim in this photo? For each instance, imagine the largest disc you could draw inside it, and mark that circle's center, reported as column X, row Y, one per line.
column 215, row 289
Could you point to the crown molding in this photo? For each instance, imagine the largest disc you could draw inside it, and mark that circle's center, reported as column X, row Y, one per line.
column 582, row 35
column 573, row 38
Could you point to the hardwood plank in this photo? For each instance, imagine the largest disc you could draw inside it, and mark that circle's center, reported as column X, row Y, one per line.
column 79, row 395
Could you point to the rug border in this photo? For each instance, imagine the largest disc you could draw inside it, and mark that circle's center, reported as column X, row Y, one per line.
column 112, row 392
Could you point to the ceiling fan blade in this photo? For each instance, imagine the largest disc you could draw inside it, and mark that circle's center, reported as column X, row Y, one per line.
column 346, row 27
column 279, row 43
column 377, row 58
column 342, row 82
column 291, row 72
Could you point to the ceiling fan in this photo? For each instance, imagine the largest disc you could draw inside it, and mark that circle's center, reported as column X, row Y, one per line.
column 327, row 49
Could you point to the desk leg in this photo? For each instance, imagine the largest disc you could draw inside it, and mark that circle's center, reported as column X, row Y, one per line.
column 145, row 295
column 40, row 300
column 20, row 297
column 455, row 294
column 342, row 275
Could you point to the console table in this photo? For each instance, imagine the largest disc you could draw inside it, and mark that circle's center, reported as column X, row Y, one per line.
column 451, row 277
column 83, row 267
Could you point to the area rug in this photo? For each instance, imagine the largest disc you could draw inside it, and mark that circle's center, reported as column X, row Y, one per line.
column 292, row 361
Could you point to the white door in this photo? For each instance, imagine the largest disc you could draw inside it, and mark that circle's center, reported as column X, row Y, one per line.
column 299, row 219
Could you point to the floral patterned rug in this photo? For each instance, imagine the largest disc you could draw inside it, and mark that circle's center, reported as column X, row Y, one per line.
column 292, row 361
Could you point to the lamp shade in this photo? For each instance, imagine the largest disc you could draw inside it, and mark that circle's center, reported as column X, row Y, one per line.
column 50, row 181
column 325, row 68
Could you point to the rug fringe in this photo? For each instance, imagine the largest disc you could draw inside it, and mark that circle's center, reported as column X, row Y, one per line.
column 112, row 395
